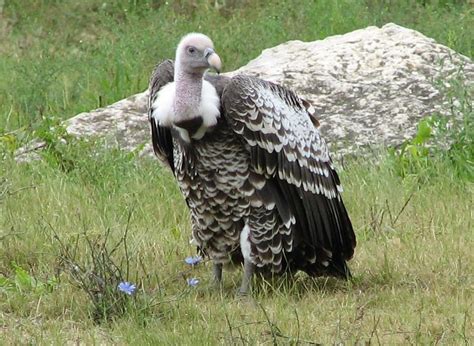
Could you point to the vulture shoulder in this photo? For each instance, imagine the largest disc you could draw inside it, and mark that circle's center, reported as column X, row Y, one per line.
column 286, row 147
column 161, row 136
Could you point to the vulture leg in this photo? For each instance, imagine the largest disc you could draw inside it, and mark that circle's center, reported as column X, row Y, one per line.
column 249, row 269
column 217, row 273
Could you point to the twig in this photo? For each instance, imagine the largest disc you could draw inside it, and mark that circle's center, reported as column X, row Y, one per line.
column 374, row 331
column 242, row 339
column 403, row 208
column 35, row 147
column 11, row 193
column 11, row 234
column 466, row 340
column 298, row 327
column 270, row 324
column 125, row 241
column 229, row 325
column 389, row 212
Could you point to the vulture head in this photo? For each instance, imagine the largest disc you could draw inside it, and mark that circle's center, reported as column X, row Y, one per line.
column 195, row 54
column 191, row 104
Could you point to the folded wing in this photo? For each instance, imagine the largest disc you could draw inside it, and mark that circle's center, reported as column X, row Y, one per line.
column 285, row 145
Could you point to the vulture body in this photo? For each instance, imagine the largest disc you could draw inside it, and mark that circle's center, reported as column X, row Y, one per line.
column 251, row 164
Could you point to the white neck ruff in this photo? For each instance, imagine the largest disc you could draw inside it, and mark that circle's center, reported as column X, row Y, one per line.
column 164, row 114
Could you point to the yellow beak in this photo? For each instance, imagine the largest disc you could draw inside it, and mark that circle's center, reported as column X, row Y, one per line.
column 214, row 62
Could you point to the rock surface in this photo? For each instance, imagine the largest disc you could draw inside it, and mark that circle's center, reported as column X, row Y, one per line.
column 124, row 122
column 369, row 87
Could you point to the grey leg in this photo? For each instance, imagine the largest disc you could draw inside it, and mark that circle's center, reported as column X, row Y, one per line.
column 249, row 269
column 217, row 272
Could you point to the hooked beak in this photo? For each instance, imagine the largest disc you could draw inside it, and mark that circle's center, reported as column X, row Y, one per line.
column 213, row 59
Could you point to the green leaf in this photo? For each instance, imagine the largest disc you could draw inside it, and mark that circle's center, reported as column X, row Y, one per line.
column 23, row 280
column 424, row 132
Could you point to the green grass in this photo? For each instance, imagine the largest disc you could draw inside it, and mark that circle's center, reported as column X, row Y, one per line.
column 412, row 270
column 413, row 278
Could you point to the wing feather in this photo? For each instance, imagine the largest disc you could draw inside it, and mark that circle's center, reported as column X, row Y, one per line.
column 286, row 146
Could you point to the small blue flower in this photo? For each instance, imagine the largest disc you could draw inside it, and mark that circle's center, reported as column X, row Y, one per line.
column 193, row 282
column 126, row 287
column 193, row 260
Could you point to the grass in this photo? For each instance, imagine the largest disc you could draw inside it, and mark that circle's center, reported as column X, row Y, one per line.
column 413, row 278
column 412, row 272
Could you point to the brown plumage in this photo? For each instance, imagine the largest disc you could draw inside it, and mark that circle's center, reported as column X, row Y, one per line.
column 252, row 166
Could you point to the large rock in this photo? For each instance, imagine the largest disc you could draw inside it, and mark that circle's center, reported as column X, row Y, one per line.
column 369, row 87
column 124, row 122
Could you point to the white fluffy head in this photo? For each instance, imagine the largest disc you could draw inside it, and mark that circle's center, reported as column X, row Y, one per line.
column 195, row 39
column 195, row 54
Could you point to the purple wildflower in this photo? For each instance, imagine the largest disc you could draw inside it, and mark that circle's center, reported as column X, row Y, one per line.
column 193, row 260
column 126, row 287
column 193, row 282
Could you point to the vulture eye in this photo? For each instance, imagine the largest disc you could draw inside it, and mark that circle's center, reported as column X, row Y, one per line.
column 191, row 50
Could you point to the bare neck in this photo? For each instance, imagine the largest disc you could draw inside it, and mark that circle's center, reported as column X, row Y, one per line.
column 188, row 93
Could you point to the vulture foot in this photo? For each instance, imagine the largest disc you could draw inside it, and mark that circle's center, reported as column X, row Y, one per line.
column 217, row 274
column 249, row 269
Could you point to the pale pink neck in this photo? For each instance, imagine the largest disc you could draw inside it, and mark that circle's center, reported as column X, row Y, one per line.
column 188, row 93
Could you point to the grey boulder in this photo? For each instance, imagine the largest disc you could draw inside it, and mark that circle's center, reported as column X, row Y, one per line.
column 370, row 87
